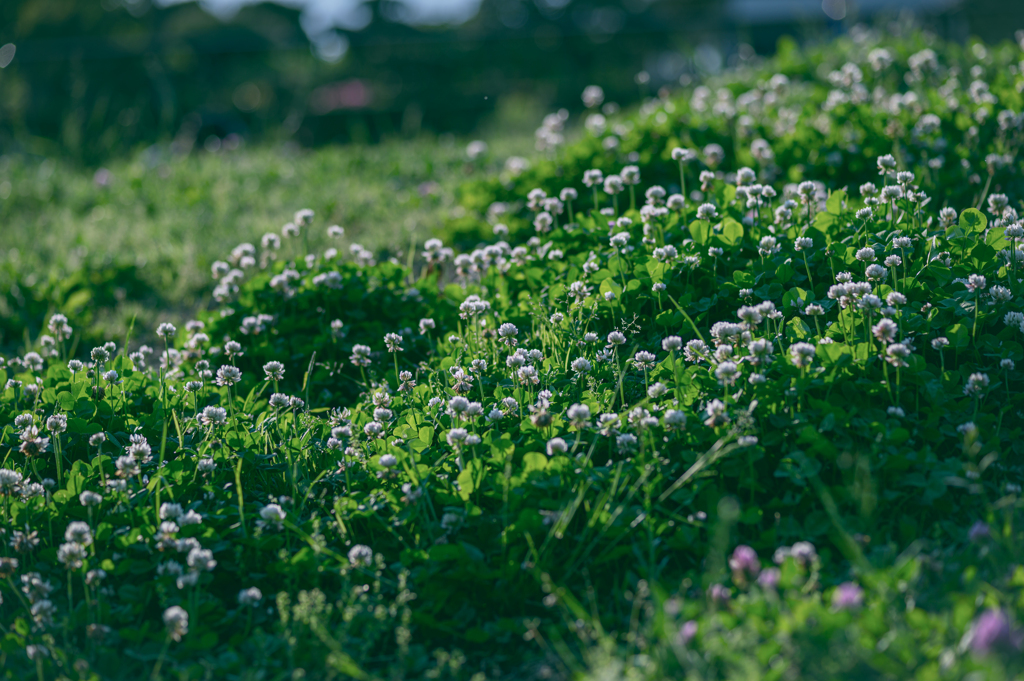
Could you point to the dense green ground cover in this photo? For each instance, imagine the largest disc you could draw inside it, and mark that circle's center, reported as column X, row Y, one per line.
column 768, row 430
column 821, row 114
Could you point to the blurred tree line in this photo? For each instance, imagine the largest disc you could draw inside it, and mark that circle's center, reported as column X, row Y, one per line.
column 87, row 79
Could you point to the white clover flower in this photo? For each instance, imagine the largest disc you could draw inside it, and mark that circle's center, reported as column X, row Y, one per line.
column 87, row 498
column 228, row 376
column 717, row 413
column 592, row 177
column 581, row 365
column 72, row 555
column 176, row 622
column 674, row 419
column 556, row 445
column 507, row 332
column 892, row 192
column 360, row 355
column 57, row 423
column 272, row 516
column 875, row 272
column 656, row 390
column 201, row 560
column 1000, row 293
column 613, row 185
column 885, row 330
column 644, row 360
column 683, row 155
column 802, row 354
column 360, row 555
column 625, row 442
column 706, row 211
column 274, row 371
column 214, row 416
column 630, row 175
column 896, row 354
column 579, row 415
column 79, row 533
column 250, row 597
column 166, row 331
column 170, row 510
column 885, row 163
column 616, row 338
column 457, row 436
column 866, row 254
column 671, row 343
column 726, row 373
column 976, row 384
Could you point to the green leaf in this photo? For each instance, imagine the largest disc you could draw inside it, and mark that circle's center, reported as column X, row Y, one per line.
column 534, row 461
column 743, row 278
column 982, row 255
column 83, row 426
column 468, row 478
column 732, row 232
column 834, row 204
column 611, row 285
column 973, row 221
column 700, row 230
column 997, row 239
column 959, row 335
column 656, row 269
column 798, row 328
column 824, row 222
column 794, row 294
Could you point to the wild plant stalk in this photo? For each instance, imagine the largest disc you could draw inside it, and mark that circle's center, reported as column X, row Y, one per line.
column 807, row 269
column 618, row 367
column 58, row 455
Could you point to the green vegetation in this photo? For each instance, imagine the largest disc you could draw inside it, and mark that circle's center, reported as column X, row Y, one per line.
column 821, row 114
column 137, row 239
column 768, row 429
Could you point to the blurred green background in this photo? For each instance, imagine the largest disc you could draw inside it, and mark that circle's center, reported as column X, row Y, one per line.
column 88, row 79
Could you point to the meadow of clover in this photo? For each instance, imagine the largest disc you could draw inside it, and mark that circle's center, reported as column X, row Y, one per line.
column 724, row 387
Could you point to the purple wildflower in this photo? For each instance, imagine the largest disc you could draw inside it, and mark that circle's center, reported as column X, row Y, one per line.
column 687, row 632
column 992, row 633
column 744, row 563
column 847, row 596
column 719, row 594
column 769, row 578
column 979, row 532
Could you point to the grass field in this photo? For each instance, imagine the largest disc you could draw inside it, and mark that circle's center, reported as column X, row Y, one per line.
column 137, row 237
column 726, row 387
